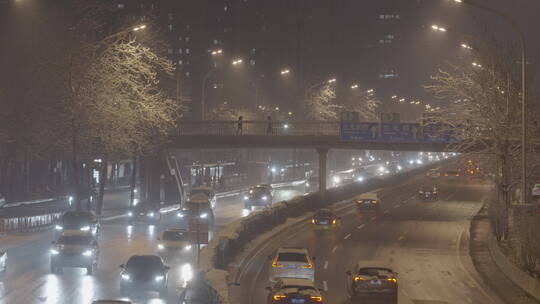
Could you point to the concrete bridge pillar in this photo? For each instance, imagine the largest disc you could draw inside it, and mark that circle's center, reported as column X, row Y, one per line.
column 323, row 154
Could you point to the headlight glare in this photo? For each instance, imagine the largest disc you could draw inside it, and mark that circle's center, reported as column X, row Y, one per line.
column 159, row 278
column 85, row 228
column 54, row 252
column 126, row 277
column 88, row 253
column 58, row 227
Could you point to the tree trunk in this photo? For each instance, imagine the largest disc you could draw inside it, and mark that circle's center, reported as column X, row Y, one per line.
column 133, row 181
column 102, row 182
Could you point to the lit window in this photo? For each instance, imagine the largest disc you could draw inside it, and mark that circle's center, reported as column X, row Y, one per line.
column 253, row 51
column 187, row 74
column 389, row 36
column 170, row 27
column 252, row 62
column 180, row 62
column 188, row 39
column 169, row 51
column 225, row 8
column 121, row 5
column 179, row 51
column 215, row 41
column 187, row 51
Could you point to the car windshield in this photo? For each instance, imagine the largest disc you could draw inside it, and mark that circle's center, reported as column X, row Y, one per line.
column 257, row 191
column 144, row 263
column 77, row 218
column 74, row 240
column 175, row 235
column 324, row 213
column 300, row 288
column 200, row 205
column 206, row 192
column 374, row 271
column 292, row 257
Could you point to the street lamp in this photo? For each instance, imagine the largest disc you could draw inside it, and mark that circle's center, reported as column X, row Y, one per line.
column 237, row 61
column 514, row 25
column 285, row 72
column 140, row 27
column 466, row 46
column 438, row 28
column 476, row 65
column 332, row 80
column 205, row 80
column 354, row 86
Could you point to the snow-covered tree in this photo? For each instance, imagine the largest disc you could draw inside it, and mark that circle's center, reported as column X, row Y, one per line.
column 365, row 103
column 319, row 102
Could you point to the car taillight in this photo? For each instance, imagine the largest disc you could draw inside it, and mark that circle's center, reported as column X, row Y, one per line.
column 279, row 297
column 277, row 265
column 393, row 280
column 358, row 279
column 313, row 221
column 316, row 298
column 334, row 222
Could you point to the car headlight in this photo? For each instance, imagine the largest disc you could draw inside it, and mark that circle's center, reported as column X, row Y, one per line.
column 85, row 228
column 159, row 278
column 160, row 246
column 307, row 184
column 151, row 214
column 246, row 197
column 188, row 248
column 54, row 252
column 126, row 277
column 180, row 214
column 130, row 214
column 88, row 253
column 360, row 179
column 264, row 198
column 58, row 227
column 336, row 179
column 204, row 215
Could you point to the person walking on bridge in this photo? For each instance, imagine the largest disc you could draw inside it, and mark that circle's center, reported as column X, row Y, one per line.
column 269, row 126
column 239, row 125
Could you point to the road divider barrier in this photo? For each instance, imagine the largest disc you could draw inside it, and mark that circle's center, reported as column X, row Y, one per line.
column 233, row 239
column 28, row 223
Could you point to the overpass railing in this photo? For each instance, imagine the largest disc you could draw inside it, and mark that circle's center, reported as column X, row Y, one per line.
column 259, row 127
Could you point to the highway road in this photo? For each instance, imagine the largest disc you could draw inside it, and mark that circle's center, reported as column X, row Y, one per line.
column 425, row 242
column 29, row 281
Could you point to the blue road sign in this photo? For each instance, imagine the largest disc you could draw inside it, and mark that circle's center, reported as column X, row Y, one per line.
column 438, row 132
column 358, row 131
column 400, row 132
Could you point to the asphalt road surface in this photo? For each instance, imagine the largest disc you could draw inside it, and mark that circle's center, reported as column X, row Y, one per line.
column 29, row 280
column 425, row 242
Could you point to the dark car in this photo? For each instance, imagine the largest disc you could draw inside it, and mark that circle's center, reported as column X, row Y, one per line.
column 144, row 273
column 144, row 213
column 325, row 219
column 428, row 192
column 75, row 251
column 78, row 223
column 287, row 291
column 368, row 202
column 258, row 196
column 372, row 282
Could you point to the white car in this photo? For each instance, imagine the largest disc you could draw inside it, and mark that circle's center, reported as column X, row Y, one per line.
column 292, row 262
column 3, row 262
column 175, row 239
column 199, row 193
column 536, row 190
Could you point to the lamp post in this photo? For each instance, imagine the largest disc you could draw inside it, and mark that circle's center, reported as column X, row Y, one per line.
column 205, row 79
column 514, row 25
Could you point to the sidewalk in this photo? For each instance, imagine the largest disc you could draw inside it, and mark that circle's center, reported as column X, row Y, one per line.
column 484, row 264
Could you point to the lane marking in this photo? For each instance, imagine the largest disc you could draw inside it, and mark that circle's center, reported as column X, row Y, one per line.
column 348, row 236
column 325, row 286
column 386, row 211
column 325, row 264
column 334, row 249
column 361, row 226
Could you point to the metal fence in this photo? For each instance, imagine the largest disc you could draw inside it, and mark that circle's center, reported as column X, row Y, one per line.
column 28, row 223
column 259, row 127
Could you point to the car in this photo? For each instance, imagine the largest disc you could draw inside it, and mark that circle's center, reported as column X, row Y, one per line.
column 144, row 213
column 325, row 219
column 78, row 223
column 144, row 273
column 175, row 239
column 3, row 263
column 428, row 192
column 206, row 191
column 452, row 173
column 74, row 251
column 433, row 173
column 111, row 302
column 291, row 262
column 198, row 207
column 257, row 196
column 372, row 281
column 368, row 201
column 536, row 190
column 294, row 291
